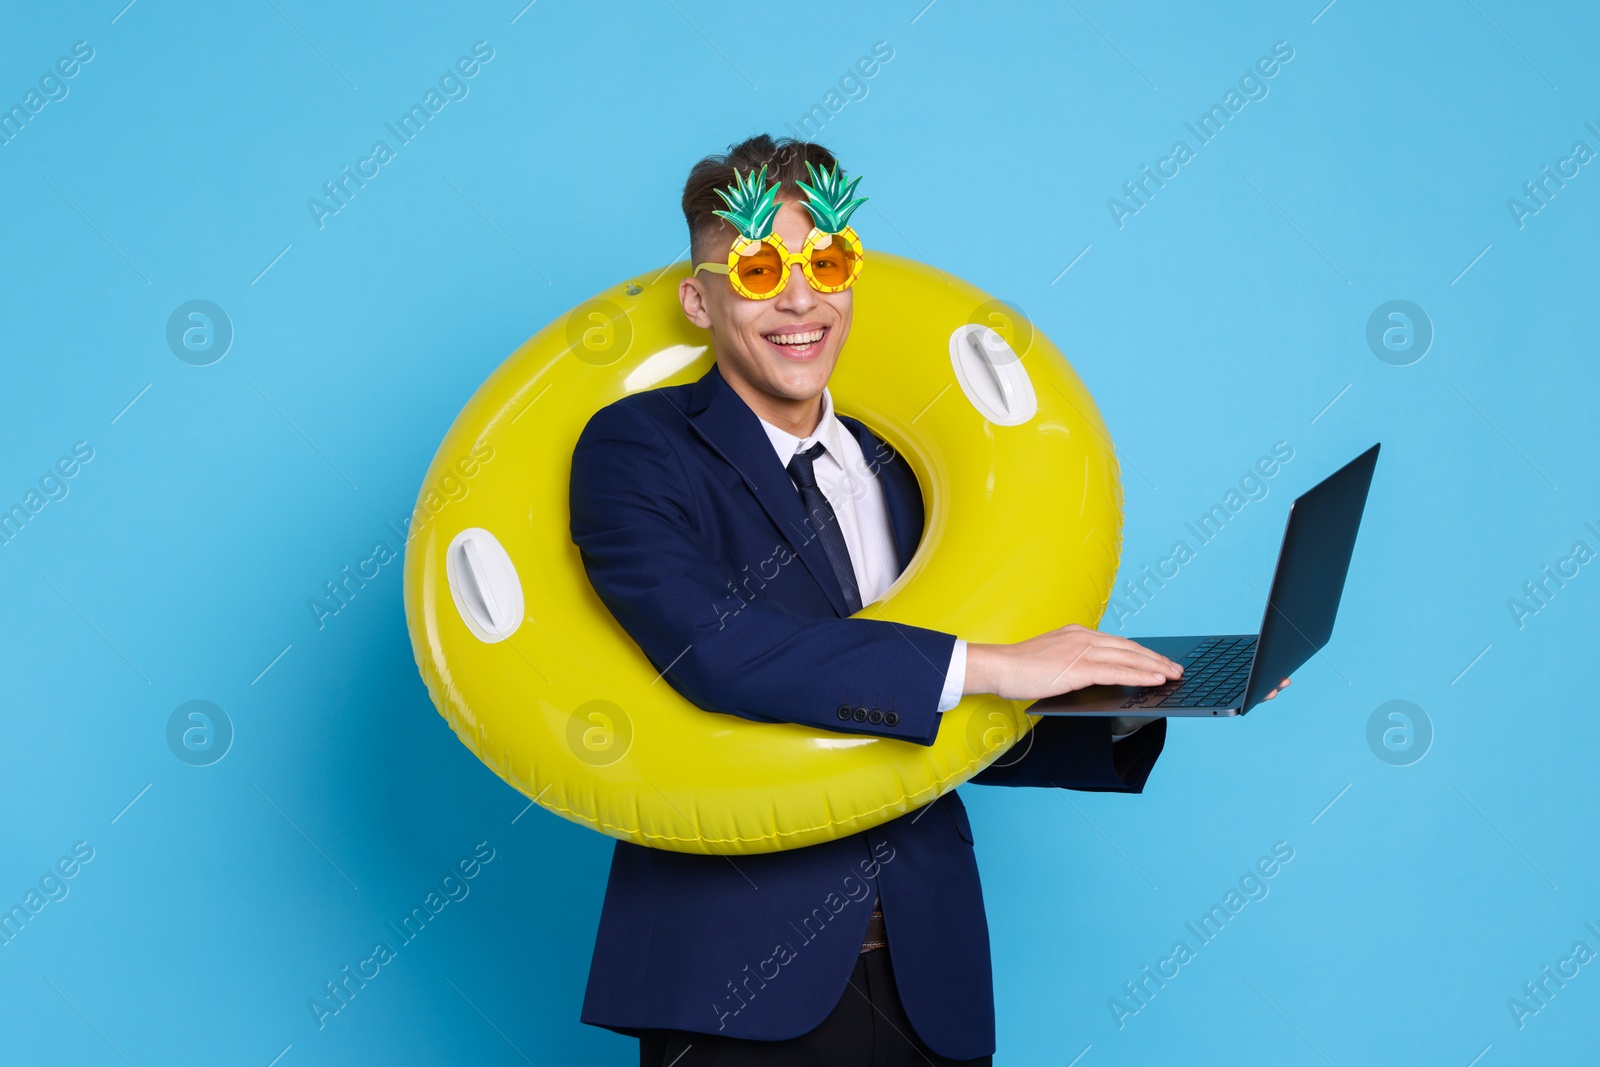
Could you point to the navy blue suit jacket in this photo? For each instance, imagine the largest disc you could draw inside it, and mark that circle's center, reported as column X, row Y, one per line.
column 677, row 498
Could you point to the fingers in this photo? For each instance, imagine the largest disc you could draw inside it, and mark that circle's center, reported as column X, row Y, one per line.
column 1079, row 657
column 1171, row 665
column 1101, row 673
column 1136, row 657
column 1104, row 665
column 1105, row 640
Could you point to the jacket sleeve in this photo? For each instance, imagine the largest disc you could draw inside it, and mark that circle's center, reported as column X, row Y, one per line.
column 1073, row 752
column 660, row 579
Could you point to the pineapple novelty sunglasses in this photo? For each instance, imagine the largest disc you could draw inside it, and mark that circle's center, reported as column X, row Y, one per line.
column 758, row 263
column 830, row 262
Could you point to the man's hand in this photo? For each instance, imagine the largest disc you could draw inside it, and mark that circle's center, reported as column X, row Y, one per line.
column 1061, row 661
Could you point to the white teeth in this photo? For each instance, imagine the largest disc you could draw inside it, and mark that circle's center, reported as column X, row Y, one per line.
column 806, row 338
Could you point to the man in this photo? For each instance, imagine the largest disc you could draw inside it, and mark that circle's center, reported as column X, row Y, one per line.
column 715, row 960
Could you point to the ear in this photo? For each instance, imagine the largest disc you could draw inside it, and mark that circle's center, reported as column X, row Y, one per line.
column 692, row 296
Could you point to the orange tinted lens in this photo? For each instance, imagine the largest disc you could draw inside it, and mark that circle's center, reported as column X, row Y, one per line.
column 835, row 264
column 762, row 271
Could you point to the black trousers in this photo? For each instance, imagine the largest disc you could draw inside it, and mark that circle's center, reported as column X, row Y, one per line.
column 867, row 1028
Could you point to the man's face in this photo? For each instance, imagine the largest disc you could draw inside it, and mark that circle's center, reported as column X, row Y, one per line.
column 755, row 340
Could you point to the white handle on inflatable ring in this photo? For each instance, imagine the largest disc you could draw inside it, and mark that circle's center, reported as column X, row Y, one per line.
column 484, row 585
column 1002, row 390
column 990, row 344
column 480, row 583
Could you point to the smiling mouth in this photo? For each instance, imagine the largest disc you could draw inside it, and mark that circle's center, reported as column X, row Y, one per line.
column 798, row 344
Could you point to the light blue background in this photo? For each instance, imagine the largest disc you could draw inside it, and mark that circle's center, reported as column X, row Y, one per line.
column 1228, row 314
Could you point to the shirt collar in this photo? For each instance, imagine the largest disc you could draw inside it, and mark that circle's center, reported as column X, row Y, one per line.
column 828, row 430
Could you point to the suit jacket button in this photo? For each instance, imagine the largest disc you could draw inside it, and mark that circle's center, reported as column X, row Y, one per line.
column 844, row 711
column 891, row 718
column 860, row 715
column 875, row 716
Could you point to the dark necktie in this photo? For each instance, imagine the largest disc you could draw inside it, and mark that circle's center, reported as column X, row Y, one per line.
column 827, row 523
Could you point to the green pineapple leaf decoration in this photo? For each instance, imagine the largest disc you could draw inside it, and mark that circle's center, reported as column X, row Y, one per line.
column 828, row 198
column 751, row 208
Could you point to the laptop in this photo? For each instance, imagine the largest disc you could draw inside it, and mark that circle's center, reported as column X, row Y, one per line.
column 1228, row 674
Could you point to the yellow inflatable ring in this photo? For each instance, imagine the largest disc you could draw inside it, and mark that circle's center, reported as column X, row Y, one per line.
column 1023, row 530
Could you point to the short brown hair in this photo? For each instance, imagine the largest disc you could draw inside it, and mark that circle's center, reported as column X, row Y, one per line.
column 785, row 159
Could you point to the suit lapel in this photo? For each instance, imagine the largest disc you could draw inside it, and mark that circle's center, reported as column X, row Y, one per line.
column 721, row 418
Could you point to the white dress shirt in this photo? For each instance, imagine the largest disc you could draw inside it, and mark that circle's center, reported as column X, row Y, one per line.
column 852, row 489
column 854, row 493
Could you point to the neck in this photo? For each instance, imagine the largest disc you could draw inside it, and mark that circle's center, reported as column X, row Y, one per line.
column 798, row 417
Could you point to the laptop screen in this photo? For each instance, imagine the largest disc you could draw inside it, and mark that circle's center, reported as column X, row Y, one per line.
column 1317, row 545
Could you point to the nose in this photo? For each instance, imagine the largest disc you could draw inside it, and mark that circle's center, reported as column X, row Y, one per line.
column 797, row 295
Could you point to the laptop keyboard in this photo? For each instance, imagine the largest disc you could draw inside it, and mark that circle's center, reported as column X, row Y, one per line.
column 1215, row 673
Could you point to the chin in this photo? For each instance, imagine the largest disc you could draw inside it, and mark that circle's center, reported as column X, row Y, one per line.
column 806, row 380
